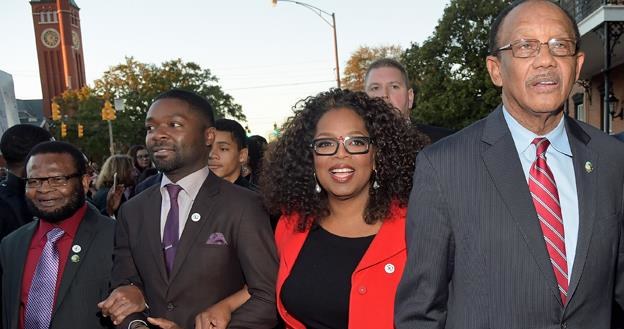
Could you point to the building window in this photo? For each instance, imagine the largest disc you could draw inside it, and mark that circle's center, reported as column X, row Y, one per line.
column 580, row 112
column 579, row 107
column 42, row 19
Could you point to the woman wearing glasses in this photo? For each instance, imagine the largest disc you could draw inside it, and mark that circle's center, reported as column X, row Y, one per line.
column 341, row 175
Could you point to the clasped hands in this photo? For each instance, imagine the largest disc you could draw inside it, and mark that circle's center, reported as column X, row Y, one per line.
column 129, row 299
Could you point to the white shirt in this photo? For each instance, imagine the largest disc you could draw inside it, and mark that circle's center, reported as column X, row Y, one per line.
column 190, row 187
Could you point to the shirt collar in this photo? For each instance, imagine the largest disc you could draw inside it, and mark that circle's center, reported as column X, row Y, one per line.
column 191, row 184
column 523, row 137
column 69, row 225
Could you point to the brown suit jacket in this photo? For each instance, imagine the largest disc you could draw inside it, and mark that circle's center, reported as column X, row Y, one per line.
column 203, row 272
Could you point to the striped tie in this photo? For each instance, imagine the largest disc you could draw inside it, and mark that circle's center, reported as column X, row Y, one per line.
column 546, row 200
column 40, row 300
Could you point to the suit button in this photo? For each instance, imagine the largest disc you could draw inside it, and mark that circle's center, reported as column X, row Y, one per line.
column 170, row 306
column 564, row 325
column 362, row 290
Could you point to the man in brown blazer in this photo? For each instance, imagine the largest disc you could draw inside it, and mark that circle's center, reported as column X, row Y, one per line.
column 194, row 239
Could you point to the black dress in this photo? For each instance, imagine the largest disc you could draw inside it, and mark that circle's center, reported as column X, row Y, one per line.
column 317, row 290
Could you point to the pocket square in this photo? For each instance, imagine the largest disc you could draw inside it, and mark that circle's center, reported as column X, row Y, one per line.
column 216, row 238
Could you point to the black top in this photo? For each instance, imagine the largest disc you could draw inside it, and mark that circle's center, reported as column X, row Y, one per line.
column 13, row 209
column 317, row 290
column 434, row 133
column 242, row 181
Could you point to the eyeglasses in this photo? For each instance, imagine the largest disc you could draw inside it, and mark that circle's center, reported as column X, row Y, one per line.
column 525, row 48
column 54, row 181
column 352, row 144
column 142, row 156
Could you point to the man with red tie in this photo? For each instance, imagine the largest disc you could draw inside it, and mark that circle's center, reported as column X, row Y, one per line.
column 57, row 268
column 516, row 221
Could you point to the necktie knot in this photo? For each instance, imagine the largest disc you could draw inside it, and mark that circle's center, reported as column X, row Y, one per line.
column 541, row 145
column 173, row 190
column 55, row 234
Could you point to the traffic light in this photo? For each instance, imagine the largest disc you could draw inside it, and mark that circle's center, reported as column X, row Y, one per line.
column 63, row 129
column 80, row 131
column 108, row 112
column 56, row 111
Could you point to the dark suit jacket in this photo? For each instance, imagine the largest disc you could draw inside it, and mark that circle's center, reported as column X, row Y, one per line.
column 147, row 183
column 476, row 254
column 434, row 133
column 13, row 210
column 83, row 284
column 203, row 273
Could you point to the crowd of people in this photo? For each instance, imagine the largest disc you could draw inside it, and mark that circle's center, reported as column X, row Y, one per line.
column 355, row 217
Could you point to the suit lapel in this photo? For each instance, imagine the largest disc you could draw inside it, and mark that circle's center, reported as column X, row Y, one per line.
column 586, row 189
column 151, row 211
column 20, row 251
column 203, row 205
column 503, row 164
column 389, row 241
column 291, row 240
column 83, row 238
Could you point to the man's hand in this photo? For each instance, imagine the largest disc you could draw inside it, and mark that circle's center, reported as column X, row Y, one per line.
column 122, row 302
column 163, row 323
column 215, row 317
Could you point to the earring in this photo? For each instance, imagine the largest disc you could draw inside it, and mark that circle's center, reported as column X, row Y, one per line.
column 245, row 171
column 375, row 184
column 317, row 187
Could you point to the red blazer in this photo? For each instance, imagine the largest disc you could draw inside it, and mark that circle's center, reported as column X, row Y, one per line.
column 374, row 281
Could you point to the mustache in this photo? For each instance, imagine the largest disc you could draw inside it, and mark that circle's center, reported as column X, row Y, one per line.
column 546, row 76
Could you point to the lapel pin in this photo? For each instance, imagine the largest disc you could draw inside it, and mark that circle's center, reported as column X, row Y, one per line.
column 389, row 268
column 76, row 248
column 195, row 217
column 75, row 258
column 589, row 167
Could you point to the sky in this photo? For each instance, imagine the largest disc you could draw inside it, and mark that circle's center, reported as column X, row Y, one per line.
column 267, row 57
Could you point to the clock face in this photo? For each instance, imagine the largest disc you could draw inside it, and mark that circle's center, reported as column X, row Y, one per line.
column 75, row 40
column 50, row 38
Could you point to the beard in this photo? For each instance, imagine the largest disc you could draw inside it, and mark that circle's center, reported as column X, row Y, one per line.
column 167, row 165
column 77, row 200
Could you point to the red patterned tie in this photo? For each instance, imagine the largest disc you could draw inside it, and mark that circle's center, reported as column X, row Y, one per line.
column 546, row 200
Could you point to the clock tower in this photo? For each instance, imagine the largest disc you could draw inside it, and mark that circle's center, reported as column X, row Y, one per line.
column 59, row 48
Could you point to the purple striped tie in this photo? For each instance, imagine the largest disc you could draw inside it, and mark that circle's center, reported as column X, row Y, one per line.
column 171, row 232
column 38, row 311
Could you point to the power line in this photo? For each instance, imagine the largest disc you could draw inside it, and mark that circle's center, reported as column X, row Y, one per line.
column 282, row 85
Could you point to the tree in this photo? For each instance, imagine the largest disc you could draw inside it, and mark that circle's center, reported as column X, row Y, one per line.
column 451, row 81
column 83, row 106
column 139, row 83
column 360, row 60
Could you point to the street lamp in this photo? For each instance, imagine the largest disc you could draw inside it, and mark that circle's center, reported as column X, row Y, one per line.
column 332, row 24
column 613, row 102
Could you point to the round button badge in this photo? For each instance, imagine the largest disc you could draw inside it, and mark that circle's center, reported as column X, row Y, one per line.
column 389, row 268
column 195, row 217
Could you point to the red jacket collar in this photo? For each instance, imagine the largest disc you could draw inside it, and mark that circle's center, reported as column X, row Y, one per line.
column 389, row 241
